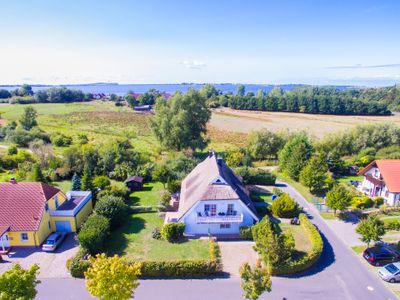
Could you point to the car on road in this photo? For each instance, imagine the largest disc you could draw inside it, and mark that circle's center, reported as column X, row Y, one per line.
column 390, row 272
column 380, row 255
column 53, row 241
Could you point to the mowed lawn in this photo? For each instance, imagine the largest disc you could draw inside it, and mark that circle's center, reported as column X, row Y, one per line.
column 134, row 239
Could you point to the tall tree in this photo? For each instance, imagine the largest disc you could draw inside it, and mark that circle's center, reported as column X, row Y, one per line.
column 87, row 179
column 264, row 144
column 254, row 281
column 36, row 174
column 314, row 173
column 371, row 229
column 295, row 155
column 28, row 118
column 111, row 278
column 76, row 182
column 181, row 121
column 338, row 198
column 18, row 283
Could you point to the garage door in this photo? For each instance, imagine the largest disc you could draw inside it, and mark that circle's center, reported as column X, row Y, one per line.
column 63, row 226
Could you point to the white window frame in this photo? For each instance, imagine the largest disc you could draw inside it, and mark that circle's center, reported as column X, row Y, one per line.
column 22, row 237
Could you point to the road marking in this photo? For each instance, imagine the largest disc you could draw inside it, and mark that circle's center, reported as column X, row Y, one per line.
column 370, row 288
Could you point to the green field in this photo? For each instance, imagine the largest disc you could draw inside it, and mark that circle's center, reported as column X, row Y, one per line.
column 134, row 239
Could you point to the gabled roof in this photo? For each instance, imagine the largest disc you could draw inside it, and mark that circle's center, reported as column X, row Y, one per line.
column 22, row 204
column 135, row 178
column 390, row 172
column 201, row 184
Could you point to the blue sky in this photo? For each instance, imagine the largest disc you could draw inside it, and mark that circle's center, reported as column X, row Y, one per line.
column 297, row 41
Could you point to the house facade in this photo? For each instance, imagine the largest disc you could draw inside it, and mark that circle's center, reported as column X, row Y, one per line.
column 31, row 211
column 213, row 200
column 382, row 178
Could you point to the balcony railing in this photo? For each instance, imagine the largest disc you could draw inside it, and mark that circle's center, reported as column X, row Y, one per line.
column 220, row 219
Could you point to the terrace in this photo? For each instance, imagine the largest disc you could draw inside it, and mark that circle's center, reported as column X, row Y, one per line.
column 75, row 201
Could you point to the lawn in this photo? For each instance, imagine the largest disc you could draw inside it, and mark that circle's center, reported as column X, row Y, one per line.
column 347, row 179
column 134, row 239
column 302, row 242
column 257, row 196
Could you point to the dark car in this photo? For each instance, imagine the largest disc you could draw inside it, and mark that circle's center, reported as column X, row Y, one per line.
column 380, row 256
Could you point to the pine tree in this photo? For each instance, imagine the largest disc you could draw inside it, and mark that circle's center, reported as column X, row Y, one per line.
column 76, row 182
column 87, row 180
column 314, row 174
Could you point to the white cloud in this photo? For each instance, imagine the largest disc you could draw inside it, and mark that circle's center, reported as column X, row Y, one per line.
column 194, row 64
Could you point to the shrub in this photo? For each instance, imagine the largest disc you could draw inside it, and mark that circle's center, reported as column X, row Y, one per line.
column 362, row 202
column 392, row 225
column 94, row 233
column 179, row 268
column 113, row 208
column 61, row 140
column 173, row 186
column 140, row 209
column 164, row 201
column 102, row 182
column 277, row 191
column 383, row 211
column 245, row 232
column 285, row 207
column 256, row 176
column 12, row 150
column 379, row 201
column 156, row 234
column 77, row 265
column 117, row 191
column 307, row 261
column 173, row 232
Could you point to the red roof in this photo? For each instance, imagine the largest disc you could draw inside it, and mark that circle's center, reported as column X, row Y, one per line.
column 390, row 172
column 22, row 204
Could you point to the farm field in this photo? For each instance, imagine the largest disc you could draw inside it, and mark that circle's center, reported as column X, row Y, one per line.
column 134, row 239
column 316, row 125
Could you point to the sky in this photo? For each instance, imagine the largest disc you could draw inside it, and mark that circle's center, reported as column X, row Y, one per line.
column 156, row 41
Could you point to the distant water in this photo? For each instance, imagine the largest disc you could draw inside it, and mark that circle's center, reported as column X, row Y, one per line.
column 122, row 89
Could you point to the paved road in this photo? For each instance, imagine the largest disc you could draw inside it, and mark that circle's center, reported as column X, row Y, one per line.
column 339, row 275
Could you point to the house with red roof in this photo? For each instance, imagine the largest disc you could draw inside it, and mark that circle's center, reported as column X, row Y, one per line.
column 31, row 211
column 382, row 178
column 212, row 200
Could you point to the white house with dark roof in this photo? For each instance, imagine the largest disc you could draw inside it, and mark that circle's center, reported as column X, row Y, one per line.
column 213, row 200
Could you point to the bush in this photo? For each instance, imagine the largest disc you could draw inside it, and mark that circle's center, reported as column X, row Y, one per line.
column 164, row 201
column 245, row 232
column 140, row 209
column 117, row 191
column 383, row 211
column 173, row 186
column 12, row 150
column 156, row 234
column 77, row 265
column 392, row 225
column 277, row 191
column 362, row 202
column 307, row 261
column 94, row 233
column 379, row 201
column 256, row 176
column 113, row 208
column 102, row 182
column 285, row 207
column 61, row 140
column 173, row 232
column 179, row 268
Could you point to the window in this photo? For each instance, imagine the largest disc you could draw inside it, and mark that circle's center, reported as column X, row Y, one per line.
column 225, row 226
column 24, row 237
column 213, row 209
column 46, row 207
column 206, row 207
column 230, row 210
column 49, row 225
column 56, row 201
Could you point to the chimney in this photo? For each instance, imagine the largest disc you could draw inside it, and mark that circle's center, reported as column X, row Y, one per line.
column 13, row 180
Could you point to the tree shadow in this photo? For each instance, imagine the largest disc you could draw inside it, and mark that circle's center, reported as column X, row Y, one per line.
column 118, row 241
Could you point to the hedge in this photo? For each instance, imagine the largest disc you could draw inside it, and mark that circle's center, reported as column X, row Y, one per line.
column 163, row 269
column 382, row 211
column 312, row 256
column 256, row 176
column 245, row 232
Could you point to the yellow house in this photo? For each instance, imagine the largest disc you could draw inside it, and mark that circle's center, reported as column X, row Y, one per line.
column 31, row 211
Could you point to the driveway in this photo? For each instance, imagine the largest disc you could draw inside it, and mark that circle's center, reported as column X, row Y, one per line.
column 52, row 264
column 236, row 253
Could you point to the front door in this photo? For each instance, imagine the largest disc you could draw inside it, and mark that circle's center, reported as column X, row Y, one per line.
column 4, row 241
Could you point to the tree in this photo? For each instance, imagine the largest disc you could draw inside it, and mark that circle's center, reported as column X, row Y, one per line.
column 314, row 174
column 18, row 283
column 94, row 233
column 162, row 174
column 264, row 144
column 28, row 118
column 36, row 174
column 76, row 182
column 101, row 182
column 254, row 281
column 285, row 207
column 87, row 179
column 338, row 198
column 12, row 150
column 110, row 278
column 371, row 229
column 173, row 232
column 181, row 122
column 113, row 208
column 295, row 155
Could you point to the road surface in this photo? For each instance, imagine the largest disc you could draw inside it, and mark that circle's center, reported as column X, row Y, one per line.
column 338, row 275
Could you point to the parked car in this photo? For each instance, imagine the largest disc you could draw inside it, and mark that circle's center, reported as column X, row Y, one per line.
column 380, row 255
column 53, row 241
column 390, row 272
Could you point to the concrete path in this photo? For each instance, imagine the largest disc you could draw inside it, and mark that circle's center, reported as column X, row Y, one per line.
column 346, row 231
column 236, row 253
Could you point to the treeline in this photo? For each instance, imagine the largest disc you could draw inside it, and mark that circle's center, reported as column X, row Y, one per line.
column 25, row 95
column 307, row 99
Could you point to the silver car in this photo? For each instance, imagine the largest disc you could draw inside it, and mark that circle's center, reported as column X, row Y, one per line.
column 53, row 241
column 390, row 272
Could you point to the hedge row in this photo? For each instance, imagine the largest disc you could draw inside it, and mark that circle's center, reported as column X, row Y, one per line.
column 382, row 211
column 163, row 269
column 312, row 256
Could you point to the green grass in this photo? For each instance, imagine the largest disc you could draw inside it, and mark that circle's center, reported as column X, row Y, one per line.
column 134, row 239
column 327, row 215
column 359, row 249
column 65, row 185
column 302, row 242
column 261, row 197
column 346, row 179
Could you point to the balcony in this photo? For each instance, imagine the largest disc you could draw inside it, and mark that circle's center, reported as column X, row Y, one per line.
column 217, row 219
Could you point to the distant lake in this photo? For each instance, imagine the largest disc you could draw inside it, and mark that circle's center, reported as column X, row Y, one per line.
column 122, row 89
